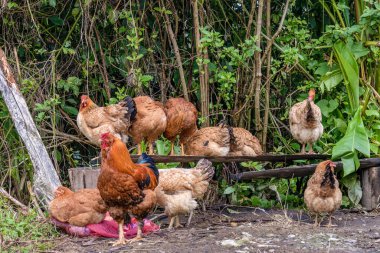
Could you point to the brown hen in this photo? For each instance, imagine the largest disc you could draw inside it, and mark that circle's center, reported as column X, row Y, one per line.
column 181, row 120
column 149, row 123
column 243, row 143
column 322, row 195
column 209, row 141
column 77, row 208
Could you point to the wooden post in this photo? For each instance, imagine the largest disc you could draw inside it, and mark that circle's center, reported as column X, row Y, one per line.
column 46, row 179
column 371, row 188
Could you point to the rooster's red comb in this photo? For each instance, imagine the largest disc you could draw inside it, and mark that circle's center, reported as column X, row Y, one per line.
column 83, row 97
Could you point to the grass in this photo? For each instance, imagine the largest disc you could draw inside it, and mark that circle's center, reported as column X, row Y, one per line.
column 24, row 233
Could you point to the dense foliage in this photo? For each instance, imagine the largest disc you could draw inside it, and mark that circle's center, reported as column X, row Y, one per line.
column 110, row 49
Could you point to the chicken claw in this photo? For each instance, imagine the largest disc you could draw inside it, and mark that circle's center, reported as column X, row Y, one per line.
column 119, row 242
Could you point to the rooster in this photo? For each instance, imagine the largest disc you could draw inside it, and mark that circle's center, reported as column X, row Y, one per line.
column 93, row 120
column 322, row 194
column 126, row 188
column 305, row 122
column 179, row 189
column 149, row 123
column 181, row 120
column 77, row 208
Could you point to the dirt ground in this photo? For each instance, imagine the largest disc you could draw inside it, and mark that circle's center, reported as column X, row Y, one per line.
column 238, row 229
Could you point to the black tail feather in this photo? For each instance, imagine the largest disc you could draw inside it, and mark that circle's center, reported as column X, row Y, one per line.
column 144, row 158
column 309, row 113
column 328, row 178
column 131, row 106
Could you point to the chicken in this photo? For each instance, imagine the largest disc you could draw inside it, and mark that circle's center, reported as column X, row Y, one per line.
column 243, row 143
column 322, row 194
column 181, row 120
column 77, row 208
column 149, row 124
column 305, row 122
column 93, row 120
column 179, row 188
column 126, row 188
column 209, row 141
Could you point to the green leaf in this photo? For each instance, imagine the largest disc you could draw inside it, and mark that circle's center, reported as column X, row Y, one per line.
column 70, row 110
column 350, row 163
column 332, row 79
column 229, row 190
column 327, row 106
column 358, row 49
column 355, row 193
column 52, row 3
column 350, row 70
column 356, row 138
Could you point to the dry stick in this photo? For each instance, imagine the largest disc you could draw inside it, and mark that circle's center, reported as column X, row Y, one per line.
column 34, row 200
column 258, row 74
column 17, row 65
column 269, row 45
column 105, row 73
column 177, row 55
column 250, row 19
column 268, row 77
column 5, row 194
column 203, row 85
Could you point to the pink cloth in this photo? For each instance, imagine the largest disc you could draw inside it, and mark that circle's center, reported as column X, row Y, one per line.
column 107, row 228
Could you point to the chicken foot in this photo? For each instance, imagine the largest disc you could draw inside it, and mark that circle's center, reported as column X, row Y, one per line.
column 177, row 223
column 316, row 224
column 138, row 237
column 171, row 222
column 182, row 149
column 311, row 151
column 303, row 149
column 139, row 150
column 121, row 240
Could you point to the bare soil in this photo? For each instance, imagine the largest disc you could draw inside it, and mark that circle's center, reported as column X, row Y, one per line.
column 240, row 229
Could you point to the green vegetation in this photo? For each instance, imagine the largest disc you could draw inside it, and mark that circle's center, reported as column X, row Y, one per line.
column 111, row 49
column 23, row 232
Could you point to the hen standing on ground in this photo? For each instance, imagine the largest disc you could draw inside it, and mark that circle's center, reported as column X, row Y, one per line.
column 322, row 194
column 179, row 188
column 126, row 188
column 305, row 120
column 93, row 120
column 77, row 208
column 181, row 120
column 149, row 124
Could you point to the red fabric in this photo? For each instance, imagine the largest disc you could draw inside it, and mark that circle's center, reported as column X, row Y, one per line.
column 107, row 228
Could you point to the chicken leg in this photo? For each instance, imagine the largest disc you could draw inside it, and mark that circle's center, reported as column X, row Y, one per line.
column 172, row 219
column 311, row 151
column 139, row 150
column 172, row 149
column 121, row 240
column 303, row 149
column 182, row 149
column 177, row 224
column 138, row 237
column 151, row 149
column 316, row 221
column 189, row 219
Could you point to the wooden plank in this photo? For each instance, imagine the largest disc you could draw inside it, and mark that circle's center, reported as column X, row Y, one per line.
column 371, row 188
column 295, row 171
column 228, row 159
column 45, row 177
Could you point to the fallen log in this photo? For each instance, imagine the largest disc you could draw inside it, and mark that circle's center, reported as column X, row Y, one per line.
column 295, row 171
column 45, row 177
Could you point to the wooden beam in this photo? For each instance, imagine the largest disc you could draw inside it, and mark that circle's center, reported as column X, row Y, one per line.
column 45, row 177
column 371, row 188
column 228, row 159
column 295, row 171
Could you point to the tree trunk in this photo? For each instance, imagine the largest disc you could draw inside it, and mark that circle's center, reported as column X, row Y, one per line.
column 46, row 179
column 258, row 73
column 203, row 85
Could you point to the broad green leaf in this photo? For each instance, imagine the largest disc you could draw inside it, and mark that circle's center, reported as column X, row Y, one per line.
column 358, row 49
column 355, row 193
column 350, row 163
column 229, row 190
column 52, row 3
column 332, row 79
column 350, row 70
column 70, row 110
column 356, row 138
column 327, row 106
